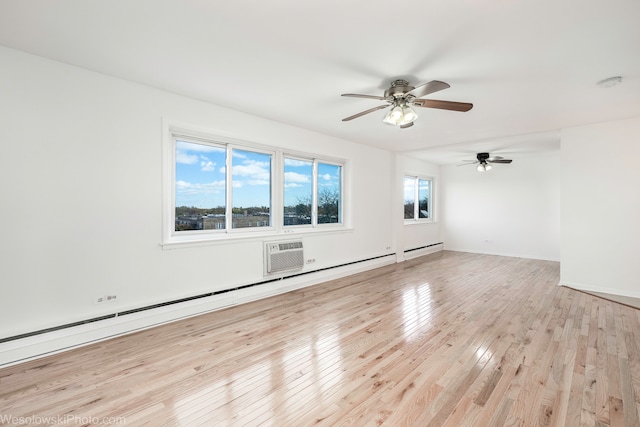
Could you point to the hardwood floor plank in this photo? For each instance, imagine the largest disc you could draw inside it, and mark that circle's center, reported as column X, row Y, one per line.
column 451, row 339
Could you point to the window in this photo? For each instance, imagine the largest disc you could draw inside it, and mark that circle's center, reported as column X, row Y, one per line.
column 312, row 192
column 329, row 193
column 417, row 198
column 217, row 188
column 211, row 196
column 298, row 191
column 250, row 189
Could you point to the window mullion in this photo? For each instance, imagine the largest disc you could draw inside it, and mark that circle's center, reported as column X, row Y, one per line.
column 314, row 196
column 228, row 195
column 416, row 199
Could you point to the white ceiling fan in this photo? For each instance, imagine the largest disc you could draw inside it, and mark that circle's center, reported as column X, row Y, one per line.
column 401, row 96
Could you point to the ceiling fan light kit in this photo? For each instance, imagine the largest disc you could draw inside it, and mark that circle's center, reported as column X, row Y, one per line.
column 402, row 96
column 483, row 167
column 400, row 115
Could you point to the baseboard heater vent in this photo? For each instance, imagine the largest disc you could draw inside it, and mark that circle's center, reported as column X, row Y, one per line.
column 284, row 256
column 423, row 247
column 178, row 301
column 423, row 250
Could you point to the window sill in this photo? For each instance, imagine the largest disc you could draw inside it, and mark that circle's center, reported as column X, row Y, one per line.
column 224, row 238
column 420, row 222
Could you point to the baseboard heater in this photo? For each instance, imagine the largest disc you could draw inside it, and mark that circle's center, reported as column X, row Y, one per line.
column 424, row 247
column 423, row 250
column 177, row 301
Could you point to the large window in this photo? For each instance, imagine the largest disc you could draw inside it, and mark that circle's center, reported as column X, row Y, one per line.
column 218, row 187
column 417, row 198
column 312, row 192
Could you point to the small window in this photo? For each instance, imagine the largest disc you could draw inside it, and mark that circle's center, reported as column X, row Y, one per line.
column 298, row 191
column 329, row 193
column 250, row 189
column 200, row 186
column 203, row 181
column 417, row 198
column 312, row 192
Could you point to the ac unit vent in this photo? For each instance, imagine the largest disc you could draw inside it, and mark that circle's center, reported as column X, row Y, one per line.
column 284, row 256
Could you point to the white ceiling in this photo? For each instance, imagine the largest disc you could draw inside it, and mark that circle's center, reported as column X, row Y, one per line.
column 530, row 67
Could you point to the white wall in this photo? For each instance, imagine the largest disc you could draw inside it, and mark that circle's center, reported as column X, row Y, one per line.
column 412, row 236
column 81, row 190
column 512, row 210
column 601, row 207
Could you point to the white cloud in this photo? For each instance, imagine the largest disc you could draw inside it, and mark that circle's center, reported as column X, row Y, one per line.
column 326, row 177
column 186, row 159
column 188, row 153
column 207, row 166
column 185, row 187
column 296, row 163
column 253, row 169
column 296, row 177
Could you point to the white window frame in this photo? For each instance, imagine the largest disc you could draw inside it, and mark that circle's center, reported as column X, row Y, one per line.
column 172, row 239
column 315, row 160
column 416, row 199
column 228, row 144
column 229, row 185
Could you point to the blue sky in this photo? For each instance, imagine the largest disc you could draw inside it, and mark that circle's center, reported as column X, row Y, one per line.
column 297, row 181
column 409, row 189
column 200, row 177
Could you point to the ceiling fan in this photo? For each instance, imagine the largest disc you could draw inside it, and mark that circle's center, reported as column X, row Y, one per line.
column 401, row 96
column 484, row 160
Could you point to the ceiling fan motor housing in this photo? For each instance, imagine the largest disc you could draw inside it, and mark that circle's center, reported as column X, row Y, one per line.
column 398, row 89
column 482, row 157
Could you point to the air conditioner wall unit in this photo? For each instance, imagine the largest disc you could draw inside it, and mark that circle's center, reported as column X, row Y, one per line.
column 283, row 256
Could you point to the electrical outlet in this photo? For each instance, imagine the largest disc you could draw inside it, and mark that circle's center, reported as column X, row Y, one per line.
column 105, row 298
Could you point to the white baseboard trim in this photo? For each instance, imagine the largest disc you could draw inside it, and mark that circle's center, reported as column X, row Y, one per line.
column 599, row 289
column 37, row 346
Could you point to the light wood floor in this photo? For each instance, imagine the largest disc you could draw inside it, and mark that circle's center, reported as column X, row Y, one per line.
column 451, row 339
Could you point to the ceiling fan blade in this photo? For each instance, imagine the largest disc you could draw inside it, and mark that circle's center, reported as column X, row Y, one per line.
column 470, row 163
column 500, row 161
column 490, row 159
column 370, row 110
column 408, row 125
column 356, row 95
column 443, row 105
column 427, row 88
